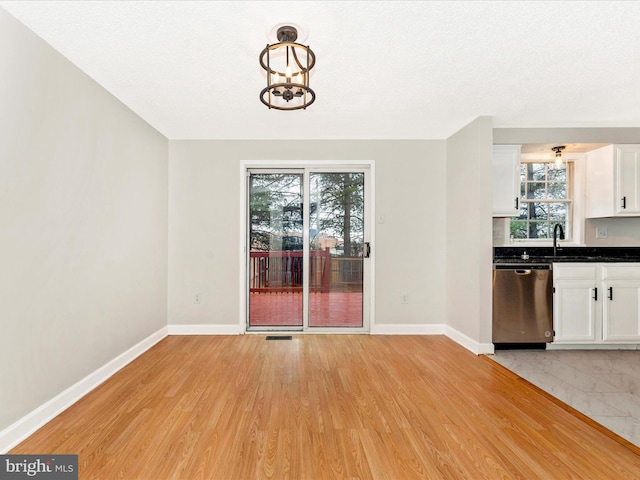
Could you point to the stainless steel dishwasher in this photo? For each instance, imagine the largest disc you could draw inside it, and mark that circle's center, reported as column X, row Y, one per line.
column 522, row 303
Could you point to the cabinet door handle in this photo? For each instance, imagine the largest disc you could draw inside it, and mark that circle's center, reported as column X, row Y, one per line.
column 624, row 202
column 517, row 203
column 610, row 293
column 595, row 294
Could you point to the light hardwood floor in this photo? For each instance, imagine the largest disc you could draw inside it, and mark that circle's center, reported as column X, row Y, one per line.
column 327, row 406
column 602, row 384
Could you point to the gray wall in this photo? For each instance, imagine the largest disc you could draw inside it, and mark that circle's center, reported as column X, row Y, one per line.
column 83, row 249
column 109, row 229
column 205, row 216
column 469, row 230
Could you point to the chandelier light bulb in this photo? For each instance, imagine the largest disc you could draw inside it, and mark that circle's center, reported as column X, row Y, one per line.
column 558, row 151
column 288, row 73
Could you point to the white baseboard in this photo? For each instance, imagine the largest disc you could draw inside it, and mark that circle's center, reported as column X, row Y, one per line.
column 434, row 329
column 18, row 431
column 408, row 329
column 205, row 330
column 468, row 342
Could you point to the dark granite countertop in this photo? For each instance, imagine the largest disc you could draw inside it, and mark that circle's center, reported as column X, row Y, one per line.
column 513, row 254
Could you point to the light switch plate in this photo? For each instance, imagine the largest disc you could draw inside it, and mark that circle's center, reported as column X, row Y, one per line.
column 601, row 232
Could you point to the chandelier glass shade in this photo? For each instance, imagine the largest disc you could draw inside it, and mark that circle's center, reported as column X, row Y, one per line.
column 288, row 65
column 558, row 152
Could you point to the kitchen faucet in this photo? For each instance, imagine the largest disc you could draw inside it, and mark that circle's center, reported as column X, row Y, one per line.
column 555, row 237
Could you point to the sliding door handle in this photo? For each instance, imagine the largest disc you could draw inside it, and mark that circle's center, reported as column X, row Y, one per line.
column 367, row 250
column 595, row 294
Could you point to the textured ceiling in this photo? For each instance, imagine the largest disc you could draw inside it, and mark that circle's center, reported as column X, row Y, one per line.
column 388, row 70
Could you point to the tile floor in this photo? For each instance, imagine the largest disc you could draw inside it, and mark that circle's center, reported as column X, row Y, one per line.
column 602, row 384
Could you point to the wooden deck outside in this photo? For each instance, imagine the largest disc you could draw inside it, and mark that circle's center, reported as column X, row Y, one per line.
column 326, row 309
column 275, row 290
column 327, row 407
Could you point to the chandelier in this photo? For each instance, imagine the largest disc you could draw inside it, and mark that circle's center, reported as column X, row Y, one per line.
column 288, row 65
column 558, row 151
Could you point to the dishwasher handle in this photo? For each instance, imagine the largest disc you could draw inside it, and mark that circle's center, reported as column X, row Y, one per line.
column 522, row 272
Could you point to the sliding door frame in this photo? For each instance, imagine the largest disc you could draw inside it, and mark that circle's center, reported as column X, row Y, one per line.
column 317, row 165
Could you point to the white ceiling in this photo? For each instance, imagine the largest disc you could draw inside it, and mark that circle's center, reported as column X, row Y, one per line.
column 388, row 70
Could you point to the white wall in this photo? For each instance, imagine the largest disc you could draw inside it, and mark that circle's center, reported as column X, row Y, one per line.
column 205, row 216
column 83, row 210
column 621, row 232
column 469, row 233
column 562, row 136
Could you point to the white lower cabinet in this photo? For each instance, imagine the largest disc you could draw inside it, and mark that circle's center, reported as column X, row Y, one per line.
column 621, row 310
column 575, row 303
column 596, row 303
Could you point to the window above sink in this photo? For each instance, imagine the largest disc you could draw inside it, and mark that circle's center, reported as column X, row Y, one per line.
column 545, row 200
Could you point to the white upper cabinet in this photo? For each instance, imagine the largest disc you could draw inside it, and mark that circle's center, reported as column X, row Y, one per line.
column 613, row 181
column 506, row 180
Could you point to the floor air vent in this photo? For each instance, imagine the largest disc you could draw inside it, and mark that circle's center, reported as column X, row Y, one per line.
column 278, row 337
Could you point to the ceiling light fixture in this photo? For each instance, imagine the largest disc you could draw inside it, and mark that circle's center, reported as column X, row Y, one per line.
column 558, row 151
column 288, row 65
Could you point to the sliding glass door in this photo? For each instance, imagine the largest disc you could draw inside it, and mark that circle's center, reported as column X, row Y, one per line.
column 308, row 250
column 275, row 249
column 337, row 247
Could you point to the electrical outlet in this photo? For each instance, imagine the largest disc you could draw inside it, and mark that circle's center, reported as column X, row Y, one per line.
column 197, row 298
column 404, row 298
column 601, row 232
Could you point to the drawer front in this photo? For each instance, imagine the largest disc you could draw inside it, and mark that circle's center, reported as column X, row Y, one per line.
column 578, row 271
column 620, row 271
